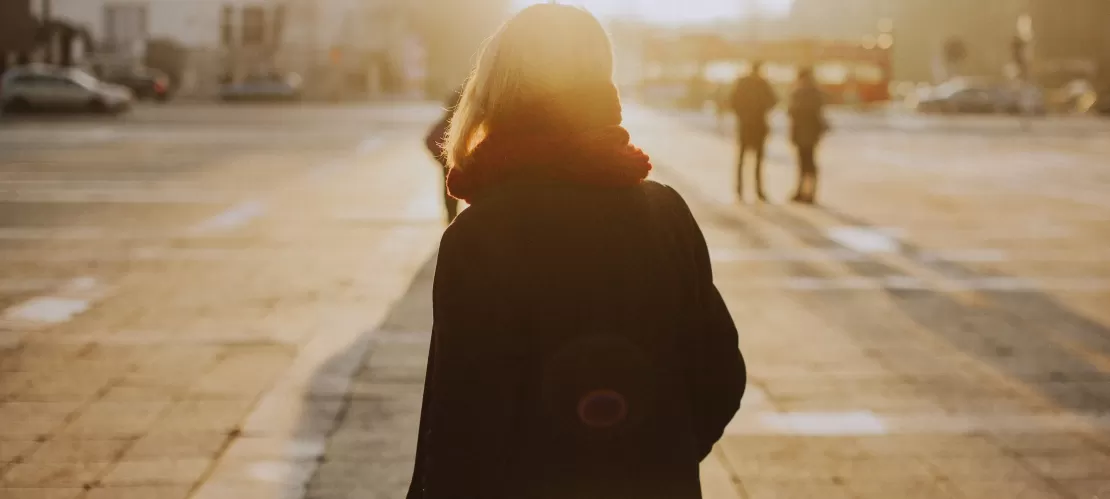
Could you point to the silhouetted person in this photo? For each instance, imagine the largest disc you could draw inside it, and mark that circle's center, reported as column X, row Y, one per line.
column 579, row 348
column 807, row 126
column 434, row 143
column 752, row 100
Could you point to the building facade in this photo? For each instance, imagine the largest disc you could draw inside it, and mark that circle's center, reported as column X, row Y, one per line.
column 340, row 48
column 1063, row 30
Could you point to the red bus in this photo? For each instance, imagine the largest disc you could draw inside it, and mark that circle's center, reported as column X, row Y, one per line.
column 848, row 72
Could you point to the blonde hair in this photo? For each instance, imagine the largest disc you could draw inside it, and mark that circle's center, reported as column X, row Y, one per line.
column 546, row 51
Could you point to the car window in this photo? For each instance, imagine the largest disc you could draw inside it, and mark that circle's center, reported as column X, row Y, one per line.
column 83, row 79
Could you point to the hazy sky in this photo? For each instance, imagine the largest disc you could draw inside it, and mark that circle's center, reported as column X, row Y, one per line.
column 677, row 11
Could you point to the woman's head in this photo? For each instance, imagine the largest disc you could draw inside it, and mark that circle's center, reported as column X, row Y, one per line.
column 805, row 76
column 549, row 66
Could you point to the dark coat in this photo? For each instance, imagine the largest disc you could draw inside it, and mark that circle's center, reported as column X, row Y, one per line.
column 807, row 116
column 580, row 349
column 752, row 99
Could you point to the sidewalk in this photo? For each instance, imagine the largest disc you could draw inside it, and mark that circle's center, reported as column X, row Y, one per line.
column 873, row 373
column 911, row 338
column 219, row 363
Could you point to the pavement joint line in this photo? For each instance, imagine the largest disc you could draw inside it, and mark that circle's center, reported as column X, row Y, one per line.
column 149, row 338
column 25, row 285
column 865, row 423
column 128, row 196
column 1008, row 284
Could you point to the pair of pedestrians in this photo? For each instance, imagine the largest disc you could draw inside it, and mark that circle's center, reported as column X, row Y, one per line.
column 752, row 100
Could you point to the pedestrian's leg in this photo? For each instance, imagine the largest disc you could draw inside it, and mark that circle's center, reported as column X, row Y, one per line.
column 799, row 191
column 740, row 170
column 812, row 174
column 759, row 149
column 809, row 172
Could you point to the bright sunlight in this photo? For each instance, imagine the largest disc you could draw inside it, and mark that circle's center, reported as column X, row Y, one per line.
column 675, row 11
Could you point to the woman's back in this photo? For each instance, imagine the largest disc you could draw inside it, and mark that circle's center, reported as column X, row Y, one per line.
column 580, row 349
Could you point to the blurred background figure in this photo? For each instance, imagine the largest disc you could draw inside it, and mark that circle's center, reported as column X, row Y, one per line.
column 434, row 143
column 752, row 100
column 807, row 125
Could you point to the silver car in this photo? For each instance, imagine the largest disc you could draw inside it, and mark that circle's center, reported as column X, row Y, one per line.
column 60, row 89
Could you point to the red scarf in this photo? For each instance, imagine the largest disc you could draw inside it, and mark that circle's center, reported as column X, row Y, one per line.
column 570, row 138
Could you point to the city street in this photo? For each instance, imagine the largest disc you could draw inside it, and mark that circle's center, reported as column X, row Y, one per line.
column 234, row 302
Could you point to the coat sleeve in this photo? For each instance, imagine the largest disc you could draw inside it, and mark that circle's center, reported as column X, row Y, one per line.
column 467, row 398
column 718, row 375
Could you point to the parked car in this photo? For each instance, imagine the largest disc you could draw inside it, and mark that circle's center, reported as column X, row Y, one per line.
column 958, row 97
column 966, row 96
column 49, row 88
column 266, row 87
column 145, row 83
column 1019, row 99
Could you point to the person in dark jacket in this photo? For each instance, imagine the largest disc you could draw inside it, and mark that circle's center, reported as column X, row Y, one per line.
column 807, row 126
column 580, row 348
column 752, row 100
column 434, row 143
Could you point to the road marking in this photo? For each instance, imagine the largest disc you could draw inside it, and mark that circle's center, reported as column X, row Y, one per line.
column 865, row 239
column 366, row 146
column 232, row 218
column 369, row 145
column 47, row 309
column 73, row 298
column 825, row 423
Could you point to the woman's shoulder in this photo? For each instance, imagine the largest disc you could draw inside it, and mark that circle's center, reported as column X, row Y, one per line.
column 511, row 204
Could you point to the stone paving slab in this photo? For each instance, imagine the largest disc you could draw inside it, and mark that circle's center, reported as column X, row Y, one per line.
column 201, row 373
column 898, row 369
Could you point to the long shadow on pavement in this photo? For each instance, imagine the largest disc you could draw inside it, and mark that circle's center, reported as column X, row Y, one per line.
column 369, row 452
column 1039, row 345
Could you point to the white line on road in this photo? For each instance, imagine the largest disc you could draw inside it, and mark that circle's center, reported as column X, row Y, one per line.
column 825, row 423
column 369, row 145
column 865, row 240
column 73, row 298
column 232, row 218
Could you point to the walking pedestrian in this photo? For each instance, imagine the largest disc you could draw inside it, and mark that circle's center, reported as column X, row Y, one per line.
column 808, row 125
column 434, row 142
column 752, row 100
column 579, row 348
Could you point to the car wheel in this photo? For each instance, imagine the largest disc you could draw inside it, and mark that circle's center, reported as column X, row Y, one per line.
column 97, row 106
column 17, row 105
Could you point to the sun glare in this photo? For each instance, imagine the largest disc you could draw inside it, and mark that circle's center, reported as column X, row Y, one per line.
column 675, row 11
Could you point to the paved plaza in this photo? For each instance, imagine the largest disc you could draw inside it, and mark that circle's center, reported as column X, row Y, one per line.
column 209, row 302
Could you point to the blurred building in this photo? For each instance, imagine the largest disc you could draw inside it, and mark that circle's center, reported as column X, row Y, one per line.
column 1064, row 30
column 17, row 32
column 30, row 33
column 341, row 48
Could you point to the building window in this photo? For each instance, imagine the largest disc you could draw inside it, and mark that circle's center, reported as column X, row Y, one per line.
column 254, row 25
column 124, row 25
column 227, row 26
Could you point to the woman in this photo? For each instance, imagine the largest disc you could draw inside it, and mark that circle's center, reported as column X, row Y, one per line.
column 580, row 349
column 808, row 125
column 434, row 143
